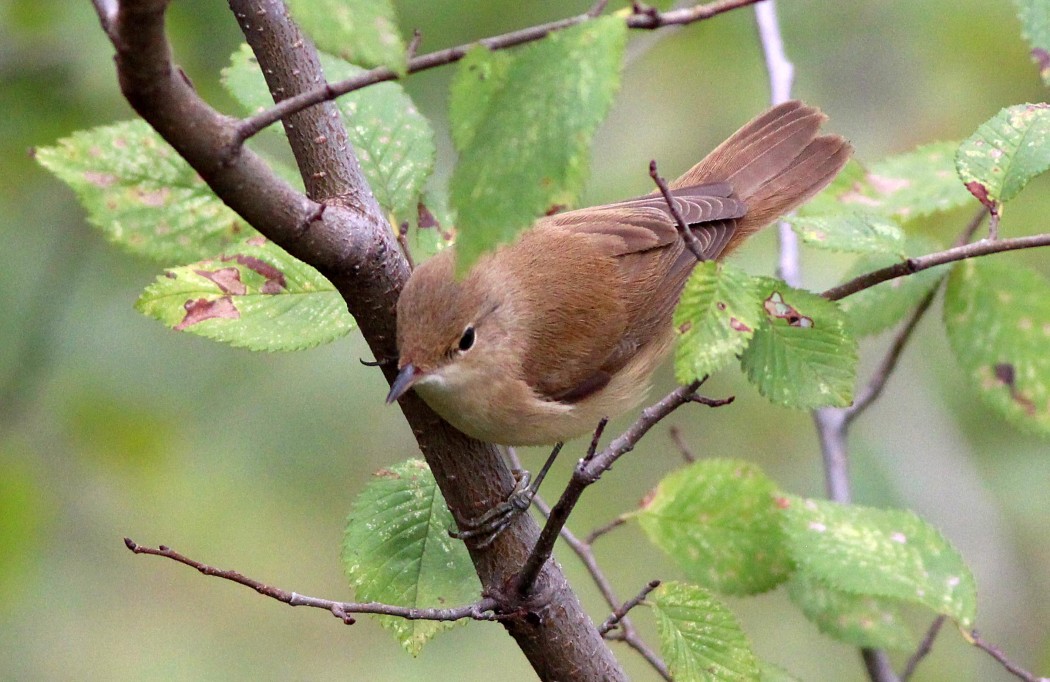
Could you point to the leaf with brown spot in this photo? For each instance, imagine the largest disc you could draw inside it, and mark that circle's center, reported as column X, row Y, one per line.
column 801, row 354
column 903, row 187
column 1035, row 27
column 274, row 277
column 1005, row 153
column 227, row 279
column 202, row 309
column 280, row 302
column 716, row 315
column 998, row 319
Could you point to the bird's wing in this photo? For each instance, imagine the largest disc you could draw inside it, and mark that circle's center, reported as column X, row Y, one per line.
column 616, row 271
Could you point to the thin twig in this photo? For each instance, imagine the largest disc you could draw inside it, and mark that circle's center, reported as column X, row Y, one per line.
column 413, row 45
column 912, row 265
column 925, row 647
column 602, row 530
column 997, row 653
column 683, row 447
column 889, row 362
column 588, row 471
column 971, row 227
column 252, row 125
column 402, row 241
column 993, row 224
column 480, row 610
column 582, row 548
column 618, row 613
column 690, row 239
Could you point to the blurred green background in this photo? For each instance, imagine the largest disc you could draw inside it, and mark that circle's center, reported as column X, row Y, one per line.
column 111, row 425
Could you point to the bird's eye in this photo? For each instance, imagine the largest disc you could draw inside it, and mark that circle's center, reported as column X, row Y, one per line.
column 467, row 340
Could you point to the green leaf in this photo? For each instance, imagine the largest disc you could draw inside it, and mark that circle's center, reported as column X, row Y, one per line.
column 903, row 187
column 1035, row 27
column 877, row 308
column 393, row 141
column 480, row 77
column 801, row 354
column 858, row 619
column 142, row 195
column 1007, row 151
column 716, row 317
column 255, row 296
column 361, row 31
column 851, row 231
column 718, row 519
column 699, row 637
column 882, row 553
column 433, row 230
column 528, row 129
column 397, row 551
column 998, row 320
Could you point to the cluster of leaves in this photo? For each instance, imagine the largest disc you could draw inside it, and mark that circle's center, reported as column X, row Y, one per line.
column 850, row 569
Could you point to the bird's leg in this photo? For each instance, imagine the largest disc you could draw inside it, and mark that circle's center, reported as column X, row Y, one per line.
column 489, row 525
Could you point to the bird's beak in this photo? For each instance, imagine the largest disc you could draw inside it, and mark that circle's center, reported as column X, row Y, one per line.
column 404, row 380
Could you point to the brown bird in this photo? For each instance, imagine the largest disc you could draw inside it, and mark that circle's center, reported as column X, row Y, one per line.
column 544, row 337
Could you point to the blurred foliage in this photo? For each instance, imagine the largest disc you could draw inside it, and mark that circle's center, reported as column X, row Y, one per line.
column 110, row 425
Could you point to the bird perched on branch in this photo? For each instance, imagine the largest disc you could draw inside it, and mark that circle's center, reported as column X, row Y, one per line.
column 545, row 336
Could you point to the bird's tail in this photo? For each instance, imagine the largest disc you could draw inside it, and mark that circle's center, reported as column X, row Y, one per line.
column 774, row 164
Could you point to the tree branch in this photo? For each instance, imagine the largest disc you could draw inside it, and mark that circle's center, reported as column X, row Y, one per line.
column 329, row 91
column 619, row 612
column 691, row 241
column 342, row 233
column 997, row 653
column 831, row 425
column 582, row 548
column 925, row 647
column 480, row 610
column 588, row 470
column 912, row 265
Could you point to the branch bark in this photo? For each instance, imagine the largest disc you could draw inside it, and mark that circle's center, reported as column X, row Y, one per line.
column 340, row 230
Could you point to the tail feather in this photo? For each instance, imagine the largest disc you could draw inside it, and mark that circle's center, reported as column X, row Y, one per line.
column 774, row 164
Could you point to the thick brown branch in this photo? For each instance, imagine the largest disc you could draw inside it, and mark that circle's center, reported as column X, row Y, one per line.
column 349, row 241
column 913, row 265
column 480, row 610
column 329, row 91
